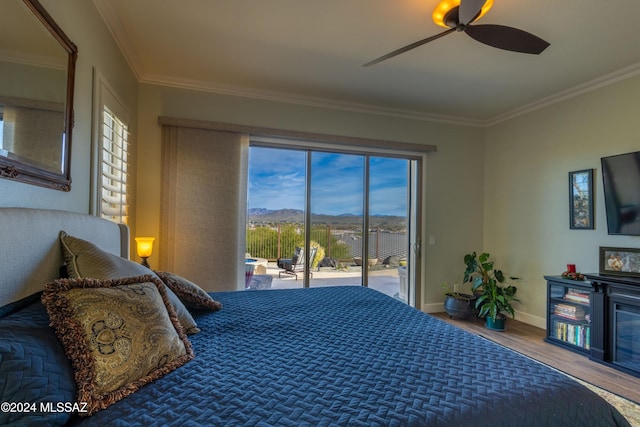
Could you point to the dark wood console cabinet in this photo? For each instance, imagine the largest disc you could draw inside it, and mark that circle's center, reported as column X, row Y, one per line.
column 599, row 317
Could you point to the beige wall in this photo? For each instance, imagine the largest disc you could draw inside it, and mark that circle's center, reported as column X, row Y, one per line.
column 503, row 189
column 527, row 161
column 458, row 159
column 96, row 48
column 457, row 162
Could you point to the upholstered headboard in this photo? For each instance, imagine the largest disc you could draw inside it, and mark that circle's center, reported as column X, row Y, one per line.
column 30, row 253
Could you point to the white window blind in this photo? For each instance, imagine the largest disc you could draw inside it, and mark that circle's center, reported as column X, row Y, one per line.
column 114, row 205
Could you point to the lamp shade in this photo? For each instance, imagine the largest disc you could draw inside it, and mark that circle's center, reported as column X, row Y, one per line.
column 144, row 246
column 445, row 7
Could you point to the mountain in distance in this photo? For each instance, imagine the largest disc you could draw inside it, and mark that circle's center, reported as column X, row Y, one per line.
column 269, row 216
column 262, row 215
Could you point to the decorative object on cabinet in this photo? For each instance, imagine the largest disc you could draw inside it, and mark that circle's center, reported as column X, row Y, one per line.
column 581, row 200
column 36, row 99
column 620, row 261
column 571, row 273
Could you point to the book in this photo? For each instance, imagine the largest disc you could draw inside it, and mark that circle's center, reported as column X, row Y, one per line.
column 570, row 317
column 578, row 335
column 569, row 310
column 576, row 296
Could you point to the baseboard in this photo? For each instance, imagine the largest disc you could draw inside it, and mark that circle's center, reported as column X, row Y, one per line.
column 538, row 322
column 433, row 308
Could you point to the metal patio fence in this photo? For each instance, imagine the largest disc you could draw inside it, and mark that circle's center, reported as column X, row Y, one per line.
column 280, row 240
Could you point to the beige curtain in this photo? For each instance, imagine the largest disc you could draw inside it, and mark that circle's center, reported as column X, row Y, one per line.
column 204, row 183
column 34, row 134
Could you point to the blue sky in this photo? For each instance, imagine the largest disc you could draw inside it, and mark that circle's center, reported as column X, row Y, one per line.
column 277, row 181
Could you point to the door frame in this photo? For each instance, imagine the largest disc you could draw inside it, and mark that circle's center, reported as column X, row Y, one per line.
column 417, row 161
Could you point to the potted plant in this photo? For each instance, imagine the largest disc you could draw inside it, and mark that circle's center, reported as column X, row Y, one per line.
column 494, row 296
column 458, row 305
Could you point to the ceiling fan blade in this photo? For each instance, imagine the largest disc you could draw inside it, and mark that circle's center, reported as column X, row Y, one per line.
column 469, row 9
column 409, row 47
column 507, row 38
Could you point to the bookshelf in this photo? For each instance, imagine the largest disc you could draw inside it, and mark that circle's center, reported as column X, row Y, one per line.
column 569, row 313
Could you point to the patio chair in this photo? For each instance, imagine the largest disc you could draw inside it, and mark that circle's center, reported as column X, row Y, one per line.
column 296, row 264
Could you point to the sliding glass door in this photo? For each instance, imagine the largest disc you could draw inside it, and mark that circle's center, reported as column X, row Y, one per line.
column 276, row 202
column 388, row 224
column 336, row 189
column 352, row 214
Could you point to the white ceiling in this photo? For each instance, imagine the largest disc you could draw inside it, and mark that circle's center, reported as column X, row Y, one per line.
column 311, row 52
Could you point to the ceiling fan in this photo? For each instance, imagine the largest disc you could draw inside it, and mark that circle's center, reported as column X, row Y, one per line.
column 457, row 15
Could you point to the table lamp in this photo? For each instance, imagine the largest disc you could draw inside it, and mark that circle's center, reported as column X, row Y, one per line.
column 144, row 247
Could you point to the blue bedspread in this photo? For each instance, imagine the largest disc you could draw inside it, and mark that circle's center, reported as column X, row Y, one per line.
column 350, row 356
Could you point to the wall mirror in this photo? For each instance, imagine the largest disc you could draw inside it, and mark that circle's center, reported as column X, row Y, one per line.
column 37, row 73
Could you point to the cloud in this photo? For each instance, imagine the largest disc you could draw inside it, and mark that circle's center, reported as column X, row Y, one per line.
column 277, row 181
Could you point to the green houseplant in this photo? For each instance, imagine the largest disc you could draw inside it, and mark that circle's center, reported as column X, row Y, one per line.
column 494, row 295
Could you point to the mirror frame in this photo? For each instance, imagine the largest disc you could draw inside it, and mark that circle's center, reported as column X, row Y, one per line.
column 20, row 171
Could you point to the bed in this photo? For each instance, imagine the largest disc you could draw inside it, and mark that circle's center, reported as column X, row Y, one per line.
column 347, row 356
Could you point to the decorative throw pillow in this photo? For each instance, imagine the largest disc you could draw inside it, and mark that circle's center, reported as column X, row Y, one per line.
column 119, row 335
column 84, row 259
column 192, row 295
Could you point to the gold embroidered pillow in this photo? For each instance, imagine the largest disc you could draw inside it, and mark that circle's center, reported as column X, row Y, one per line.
column 84, row 259
column 119, row 335
column 192, row 295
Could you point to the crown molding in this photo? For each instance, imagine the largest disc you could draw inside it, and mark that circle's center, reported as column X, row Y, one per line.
column 308, row 101
column 581, row 89
column 120, row 35
column 34, row 60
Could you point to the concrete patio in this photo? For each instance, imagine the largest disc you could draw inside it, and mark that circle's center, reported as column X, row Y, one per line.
column 385, row 280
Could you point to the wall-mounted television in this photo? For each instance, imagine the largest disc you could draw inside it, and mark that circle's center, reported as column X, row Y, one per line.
column 621, row 183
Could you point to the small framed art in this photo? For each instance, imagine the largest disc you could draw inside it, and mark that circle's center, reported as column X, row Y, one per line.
column 620, row 261
column 581, row 199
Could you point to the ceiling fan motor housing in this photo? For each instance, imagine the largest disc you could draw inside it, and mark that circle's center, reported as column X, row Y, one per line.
column 452, row 19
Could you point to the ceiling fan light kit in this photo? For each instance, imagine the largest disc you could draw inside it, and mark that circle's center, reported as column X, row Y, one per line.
column 457, row 16
column 445, row 7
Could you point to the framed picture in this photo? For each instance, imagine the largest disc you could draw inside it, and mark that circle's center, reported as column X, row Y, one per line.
column 620, row 261
column 581, row 199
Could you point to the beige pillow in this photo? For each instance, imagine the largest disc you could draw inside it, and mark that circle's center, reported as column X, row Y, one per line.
column 119, row 335
column 84, row 259
column 191, row 295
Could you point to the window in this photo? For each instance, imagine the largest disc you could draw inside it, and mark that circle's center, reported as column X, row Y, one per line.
column 306, row 197
column 113, row 202
column 110, row 193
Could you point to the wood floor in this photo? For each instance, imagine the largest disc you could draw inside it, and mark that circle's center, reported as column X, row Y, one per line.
column 529, row 340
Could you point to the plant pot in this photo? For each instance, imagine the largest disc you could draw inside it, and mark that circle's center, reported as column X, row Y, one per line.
column 461, row 306
column 496, row 325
